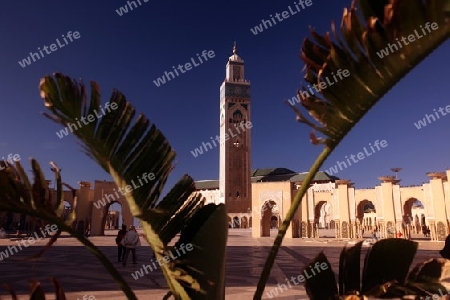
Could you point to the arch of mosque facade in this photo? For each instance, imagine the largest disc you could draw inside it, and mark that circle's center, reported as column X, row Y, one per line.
column 387, row 208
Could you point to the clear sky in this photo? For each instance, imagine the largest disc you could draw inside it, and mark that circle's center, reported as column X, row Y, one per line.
column 129, row 52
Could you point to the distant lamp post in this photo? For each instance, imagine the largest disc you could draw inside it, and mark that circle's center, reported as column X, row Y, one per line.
column 396, row 170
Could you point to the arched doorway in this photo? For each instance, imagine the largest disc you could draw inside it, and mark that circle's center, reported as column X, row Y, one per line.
column 366, row 214
column 68, row 209
column 413, row 210
column 269, row 219
column 94, row 214
column 332, row 224
column 274, row 222
column 322, row 215
column 407, row 210
column 112, row 218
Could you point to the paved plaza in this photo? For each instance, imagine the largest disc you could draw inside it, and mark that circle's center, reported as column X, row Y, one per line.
column 81, row 274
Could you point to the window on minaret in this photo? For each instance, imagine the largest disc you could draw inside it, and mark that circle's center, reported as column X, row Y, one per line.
column 236, row 73
column 237, row 116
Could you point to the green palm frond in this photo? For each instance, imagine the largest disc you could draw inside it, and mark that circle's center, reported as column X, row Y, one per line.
column 127, row 148
column 18, row 195
column 355, row 47
column 355, row 50
column 385, row 274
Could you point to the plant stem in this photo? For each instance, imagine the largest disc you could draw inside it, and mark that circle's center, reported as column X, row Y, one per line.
column 105, row 262
column 290, row 214
column 87, row 244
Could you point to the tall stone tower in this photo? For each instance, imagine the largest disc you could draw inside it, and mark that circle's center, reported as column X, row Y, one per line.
column 235, row 126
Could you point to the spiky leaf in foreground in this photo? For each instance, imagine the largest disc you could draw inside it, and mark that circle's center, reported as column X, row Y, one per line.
column 385, row 268
column 207, row 232
column 354, row 47
column 429, row 276
column 388, row 260
column 18, row 195
column 353, row 55
column 128, row 148
column 349, row 269
column 321, row 285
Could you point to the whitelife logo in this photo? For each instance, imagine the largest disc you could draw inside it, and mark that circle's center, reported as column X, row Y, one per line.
column 124, row 9
column 31, row 240
column 318, row 267
column 198, row 151
column 183, row 248
column 108, row 198
column 391, row 48
column 423, row 123
column 162, row 80
column 90, row 118
column 358, row 157
column 284, row 15
column 321, row 86
column 87, row 297
column 9, row 161
column 27, row 61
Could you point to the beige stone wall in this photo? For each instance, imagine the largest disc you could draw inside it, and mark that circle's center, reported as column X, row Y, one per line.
column 107, row 190
column 211, row 196
column 276, row 196
column 392, row 204
column 409, row 192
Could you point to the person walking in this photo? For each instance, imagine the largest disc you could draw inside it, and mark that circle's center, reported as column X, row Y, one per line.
column 119, row 239
column 131, row 242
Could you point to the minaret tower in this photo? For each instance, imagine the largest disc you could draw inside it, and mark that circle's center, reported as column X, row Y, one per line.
column 235, row 127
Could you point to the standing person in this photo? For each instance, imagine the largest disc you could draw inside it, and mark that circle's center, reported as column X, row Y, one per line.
column 131, row 242
column 375, row 234
column 120, row 247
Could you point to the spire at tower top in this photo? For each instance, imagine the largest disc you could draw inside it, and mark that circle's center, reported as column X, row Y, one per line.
column 235, row 57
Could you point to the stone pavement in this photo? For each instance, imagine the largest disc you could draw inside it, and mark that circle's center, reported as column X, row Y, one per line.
column 81, row 274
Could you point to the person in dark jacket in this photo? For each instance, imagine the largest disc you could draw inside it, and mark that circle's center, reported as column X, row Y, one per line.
column 445, row 252
column 120, row 247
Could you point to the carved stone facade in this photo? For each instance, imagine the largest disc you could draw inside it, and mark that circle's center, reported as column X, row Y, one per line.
column 387, row 208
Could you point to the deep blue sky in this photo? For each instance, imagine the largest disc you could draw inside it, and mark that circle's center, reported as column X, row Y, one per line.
column 128, row 52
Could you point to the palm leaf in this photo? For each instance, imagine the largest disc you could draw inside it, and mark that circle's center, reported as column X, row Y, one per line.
column 128, row 147
column 207, row 233
column 18, row 195
column 427, row 276
column 384, row 274
column 321, row 285
column 349, row 269
column 378, row 266
column 353, row 47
